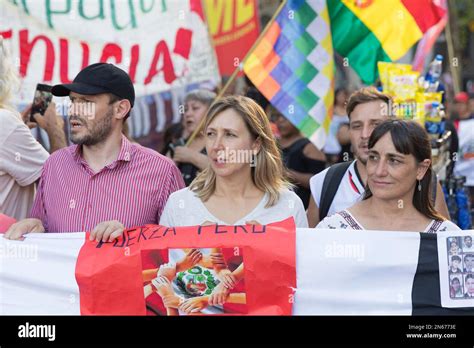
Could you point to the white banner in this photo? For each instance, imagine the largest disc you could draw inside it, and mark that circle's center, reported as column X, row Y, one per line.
column 339, row 272
column 161, row 44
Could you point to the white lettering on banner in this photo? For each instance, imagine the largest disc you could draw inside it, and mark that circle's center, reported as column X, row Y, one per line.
column 52, row 42
column 19, row 251
column 336, row 250
column 37, row 331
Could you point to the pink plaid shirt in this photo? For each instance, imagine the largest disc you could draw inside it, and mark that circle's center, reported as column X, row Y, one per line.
column 133, row 189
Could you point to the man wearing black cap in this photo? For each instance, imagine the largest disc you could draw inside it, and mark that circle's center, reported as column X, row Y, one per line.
column 103, row 183
column 98, row 85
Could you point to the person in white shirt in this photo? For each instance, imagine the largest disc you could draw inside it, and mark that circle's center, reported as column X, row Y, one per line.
column 244, row 182
column 366, row 108
column 464, row 164
column 21, row 156
column 397, row 197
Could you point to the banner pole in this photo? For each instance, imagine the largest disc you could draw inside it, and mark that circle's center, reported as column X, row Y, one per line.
column 237, row 69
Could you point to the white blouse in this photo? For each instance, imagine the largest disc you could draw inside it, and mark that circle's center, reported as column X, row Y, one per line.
column 346, row 221
column 184, row 208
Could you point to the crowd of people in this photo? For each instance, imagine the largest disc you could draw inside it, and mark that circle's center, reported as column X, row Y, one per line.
column 242, row 165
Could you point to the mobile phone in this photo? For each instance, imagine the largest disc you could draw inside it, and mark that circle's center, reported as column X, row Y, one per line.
column 41, row 101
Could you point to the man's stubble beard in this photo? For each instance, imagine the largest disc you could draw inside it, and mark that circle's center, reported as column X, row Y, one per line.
column 101, row 131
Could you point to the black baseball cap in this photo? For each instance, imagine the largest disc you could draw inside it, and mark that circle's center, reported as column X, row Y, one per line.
column 99, row 78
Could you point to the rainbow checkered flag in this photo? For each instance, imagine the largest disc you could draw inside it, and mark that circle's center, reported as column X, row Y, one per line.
column 293, row 67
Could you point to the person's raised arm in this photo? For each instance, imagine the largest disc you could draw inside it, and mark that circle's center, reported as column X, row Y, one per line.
column 53, row 124
column 184, row 154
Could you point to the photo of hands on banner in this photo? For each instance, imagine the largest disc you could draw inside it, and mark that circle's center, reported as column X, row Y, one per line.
column 196, row 282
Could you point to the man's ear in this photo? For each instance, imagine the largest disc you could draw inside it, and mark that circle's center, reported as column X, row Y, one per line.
column 422, row 169
column 123, row 107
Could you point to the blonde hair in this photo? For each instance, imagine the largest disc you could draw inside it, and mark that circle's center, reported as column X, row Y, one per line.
column 268, row 173
column 9, row 80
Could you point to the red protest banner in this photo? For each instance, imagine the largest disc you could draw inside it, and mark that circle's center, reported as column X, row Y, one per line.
column 157, row 270
column 234, row 27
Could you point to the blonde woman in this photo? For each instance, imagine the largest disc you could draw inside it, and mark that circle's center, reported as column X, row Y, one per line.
column 21, row 156
column 242, row 185
column 244, row 181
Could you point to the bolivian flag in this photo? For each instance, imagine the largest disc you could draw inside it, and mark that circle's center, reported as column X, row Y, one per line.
column 367, row 31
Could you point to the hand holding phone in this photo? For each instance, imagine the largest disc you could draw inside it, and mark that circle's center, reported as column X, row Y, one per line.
column 41, row 101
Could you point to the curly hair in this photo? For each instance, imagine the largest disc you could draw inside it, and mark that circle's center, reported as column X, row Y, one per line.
column 9, row 80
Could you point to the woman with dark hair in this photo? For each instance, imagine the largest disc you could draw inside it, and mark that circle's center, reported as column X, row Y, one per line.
column 397, row 196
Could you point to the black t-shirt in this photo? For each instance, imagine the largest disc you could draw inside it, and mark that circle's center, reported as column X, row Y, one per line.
column 295, row 159
column 189, row 171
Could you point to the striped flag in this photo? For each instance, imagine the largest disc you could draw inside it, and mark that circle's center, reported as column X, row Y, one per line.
column 367, row 31
column 293, row 67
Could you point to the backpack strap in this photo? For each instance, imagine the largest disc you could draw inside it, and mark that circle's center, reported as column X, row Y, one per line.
column 330, row 185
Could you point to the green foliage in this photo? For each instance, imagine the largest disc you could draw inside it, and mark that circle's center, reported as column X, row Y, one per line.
column 465, row 20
